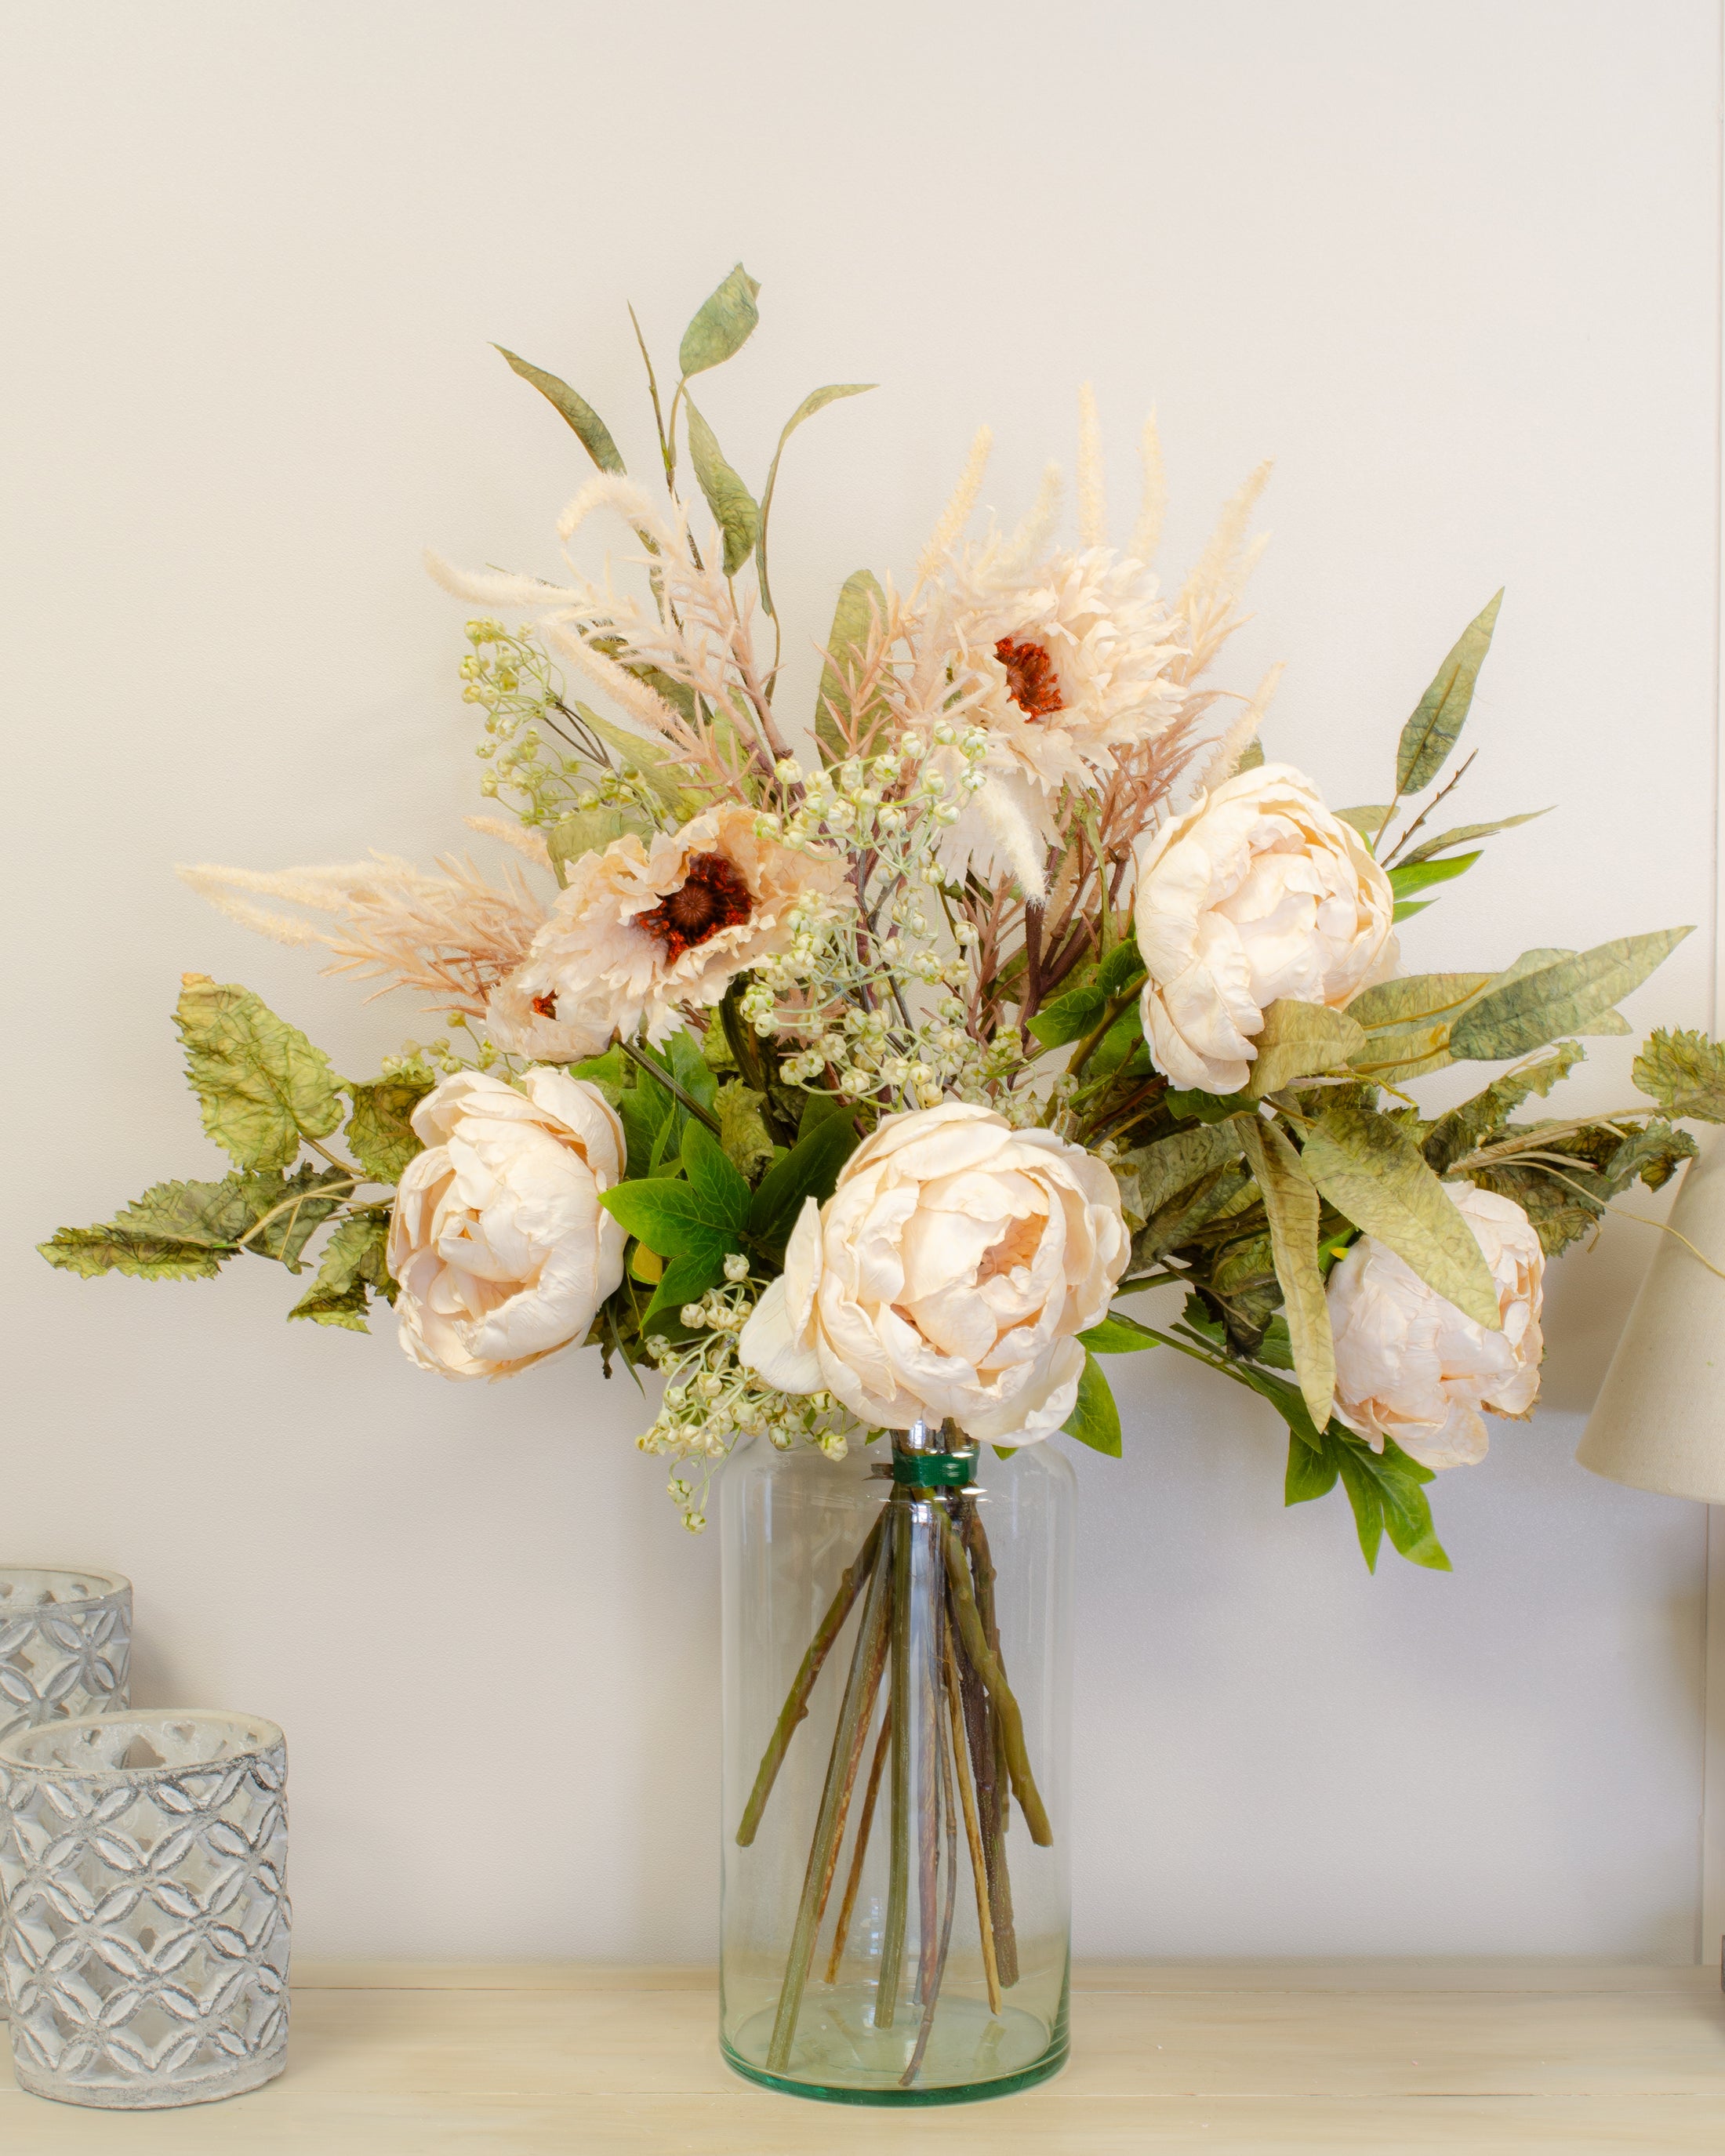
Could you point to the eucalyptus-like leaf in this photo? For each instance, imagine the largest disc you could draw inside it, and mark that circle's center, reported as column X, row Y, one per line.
column 722, row 326
column 1566, row 994
column 1432, row 731
column 815, row 401
column 1464, row 835
column 1372, row 1173
column 861, row 603
column 1409, row 876
column 1292, row 1205
column 735, row 509
column 1417, row 1000
column 260, row 1084
column 595, row 436
column 1299, row 1040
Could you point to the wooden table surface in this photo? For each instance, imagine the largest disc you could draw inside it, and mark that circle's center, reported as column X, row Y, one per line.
column 1223, row 2058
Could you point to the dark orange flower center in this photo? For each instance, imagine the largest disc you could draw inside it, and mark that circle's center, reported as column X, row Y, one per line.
column 713, row 895
column 547, row 1004
column 1031, row 680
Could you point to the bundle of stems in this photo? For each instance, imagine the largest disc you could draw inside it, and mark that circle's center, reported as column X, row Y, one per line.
column 926, row 1659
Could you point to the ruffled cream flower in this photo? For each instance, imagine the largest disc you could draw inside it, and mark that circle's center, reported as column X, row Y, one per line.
column 644, row 932
column 1409, row 1365
column 947, row 1276
column 1257, row 893
column 501, row 1246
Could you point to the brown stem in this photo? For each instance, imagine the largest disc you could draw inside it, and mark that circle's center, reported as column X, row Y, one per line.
column 987, row 1668
column 898, row 1876
column 796, row 1706
column 993, row 1797
column 841, row 1930
column 876, row 1670
column 972, row 1830
column 931, row 1602
column 943, row 1806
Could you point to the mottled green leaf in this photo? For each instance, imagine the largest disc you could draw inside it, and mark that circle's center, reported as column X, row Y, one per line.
column 1455, row 1135
column 1525, row 1010
column 261, row 1084
column 1095, row 1420
column 723, row 324
column 1685, row 1072
column 594, row 434
column 1207, row 1107
column 1367, row 821
column 590, row 831
column 1298, row 1040
column 1410, row 876
column 1409, row 1052
column 734, row 510
column 1372, row 1173
column 354, row 1268
column 1464, row 834
column 816, row 401
column 861, row 604
column 743, row 1129
column 189, row 1231
column 380, row 1134
column 1438, row 719
column 1416, row 999
column 1150, row 1175
column 1291, row 1205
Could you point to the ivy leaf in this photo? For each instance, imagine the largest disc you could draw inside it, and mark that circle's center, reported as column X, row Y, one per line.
column 817, row 400
column 353, row 1269
column 734, row 510
column 722, row 326
column 1095, row 1420
column 380, row 1134
column 1524, row 1010
column 1432, row 731
column 683, row 1057
column 1292, row 1205
column 1459, row 837
column 718, row 1184
column 595, row 436
column 671, row 1217
column 589, row 831
column 1409, row 876
column 261, row 1084
column 861, row 603
column 1373, row 1173
column 810, row 1169
column 1299, row 1040
column 1454, row 1135
column 1685, row 1072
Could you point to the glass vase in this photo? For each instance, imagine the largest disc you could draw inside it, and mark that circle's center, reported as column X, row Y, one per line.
column 897, row 1657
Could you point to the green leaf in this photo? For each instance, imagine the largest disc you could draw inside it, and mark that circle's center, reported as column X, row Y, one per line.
column 1122, row 968
column 1524, row 1010
column 1416, row 999
column 1372, row 1173
column 353, row 1268
column 1117, row 1334
column 663, row 774
column 300, row 1204
column 810, row 1169
column 1071, row 1015
column 1455, row 1135
column 1150, row 1175
column 1208, row 1107
column 1465, row 833
column 1298, row 1040
column 589, row 831
column 1182, row 1216
column 734, row 510
column 189, row 1231
column 1291, row 1205
column 817, row 400
column 1368, row 821
column 743, row 1129
column 1685, row 1072
column 1312, row 1473
column 1432, row 731
column 718, row 1184
column 686, row 1279
column 645, row 1111
column 722, row 326
column 672, row 1217
column 1119, row 1043
column 861, row 603
column 261, row 1084
column 683, row 1057
column 1383, row 1489
column 380, row 1134
column 1095, row 1420
column 1420, row 875
column 595, row 435
column 1405, row 908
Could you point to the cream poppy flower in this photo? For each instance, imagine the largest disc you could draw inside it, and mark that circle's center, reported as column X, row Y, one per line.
column 641, row 933
column 1257, row 893
column 501, row 1246
column 1409, row 1365
column 947, row 1276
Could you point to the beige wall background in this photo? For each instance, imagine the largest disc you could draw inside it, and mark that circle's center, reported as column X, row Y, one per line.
column 1456, row 269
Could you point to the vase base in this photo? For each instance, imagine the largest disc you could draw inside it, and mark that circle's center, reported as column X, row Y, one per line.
column 841, row 2057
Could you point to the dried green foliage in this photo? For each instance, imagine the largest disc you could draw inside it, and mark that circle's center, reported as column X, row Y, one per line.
column 1685, row 1072
column 260, row 1084
column 593, row 434
column 1441, row 712
column 354, row 1269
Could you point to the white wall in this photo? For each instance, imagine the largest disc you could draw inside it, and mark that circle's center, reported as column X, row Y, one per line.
column 1454, row 267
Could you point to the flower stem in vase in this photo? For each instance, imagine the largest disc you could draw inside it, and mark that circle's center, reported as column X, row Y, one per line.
column 892, row 1940
column 986, row 1665
column 943, row 1808
column 864, row 1825
column 987, row 1755
column 972, row 1831
column 928, row 1603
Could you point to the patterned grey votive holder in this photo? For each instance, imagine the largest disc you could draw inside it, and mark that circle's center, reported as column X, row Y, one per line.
column 65, row 1645
column 144, row 1863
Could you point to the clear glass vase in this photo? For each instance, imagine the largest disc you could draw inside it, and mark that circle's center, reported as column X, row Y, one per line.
column 897, row 1652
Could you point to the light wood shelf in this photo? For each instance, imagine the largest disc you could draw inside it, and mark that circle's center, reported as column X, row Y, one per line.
column 1233, row 2058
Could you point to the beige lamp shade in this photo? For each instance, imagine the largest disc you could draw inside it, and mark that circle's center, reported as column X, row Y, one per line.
column 1659, row 1423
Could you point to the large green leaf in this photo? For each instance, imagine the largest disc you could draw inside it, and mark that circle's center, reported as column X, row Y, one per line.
column 1685, row 1072
column 1430, row 734
column 1095, row 1420
column 672, row 1217
column 1372, row 1173
column 380, row 1133
column 1420, row 875
column 1291, row 1205
column 1525, row 1010
column 861, row 603
column 1455, row 1134
column 1298, row 1040
column 1416, row 999
column 261, row 1084
column 734, row 510
column 1117, row 1334
column 817, row 400
column 189, row 1231
column 722, row 326
column 1384, row 1491
column 715, row 1180
column 1150, row 1175
column 1446, row 840
column 594, row 434
column 810, row 1169
column 353, row 1269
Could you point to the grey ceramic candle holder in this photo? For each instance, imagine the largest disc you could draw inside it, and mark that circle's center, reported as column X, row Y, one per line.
column 65, row 1645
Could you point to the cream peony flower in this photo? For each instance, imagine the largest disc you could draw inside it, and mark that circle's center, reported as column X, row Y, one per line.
column 1409, row 1365
column 501, row 1246
column 1257, row 893
column 947, row 1276
column 644, row 932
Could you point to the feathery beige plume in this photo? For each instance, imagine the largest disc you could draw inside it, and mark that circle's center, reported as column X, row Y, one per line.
column 1092, row 500
column 1030, row 539
column 1016, row 836
column 493, row 587
column 529, row 844
column 957, row 513
column 1147, row 533
column 646, row 705
column 1225, row 758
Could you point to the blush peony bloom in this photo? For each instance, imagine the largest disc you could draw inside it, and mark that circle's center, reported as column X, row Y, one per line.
column 1409, row 1365
column 947, row 1276
column 1257, row 893
column 501, row 1246
column 643, row 932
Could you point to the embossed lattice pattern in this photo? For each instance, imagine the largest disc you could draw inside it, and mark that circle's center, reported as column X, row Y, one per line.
column 144, row 1867
column 65, row 1645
